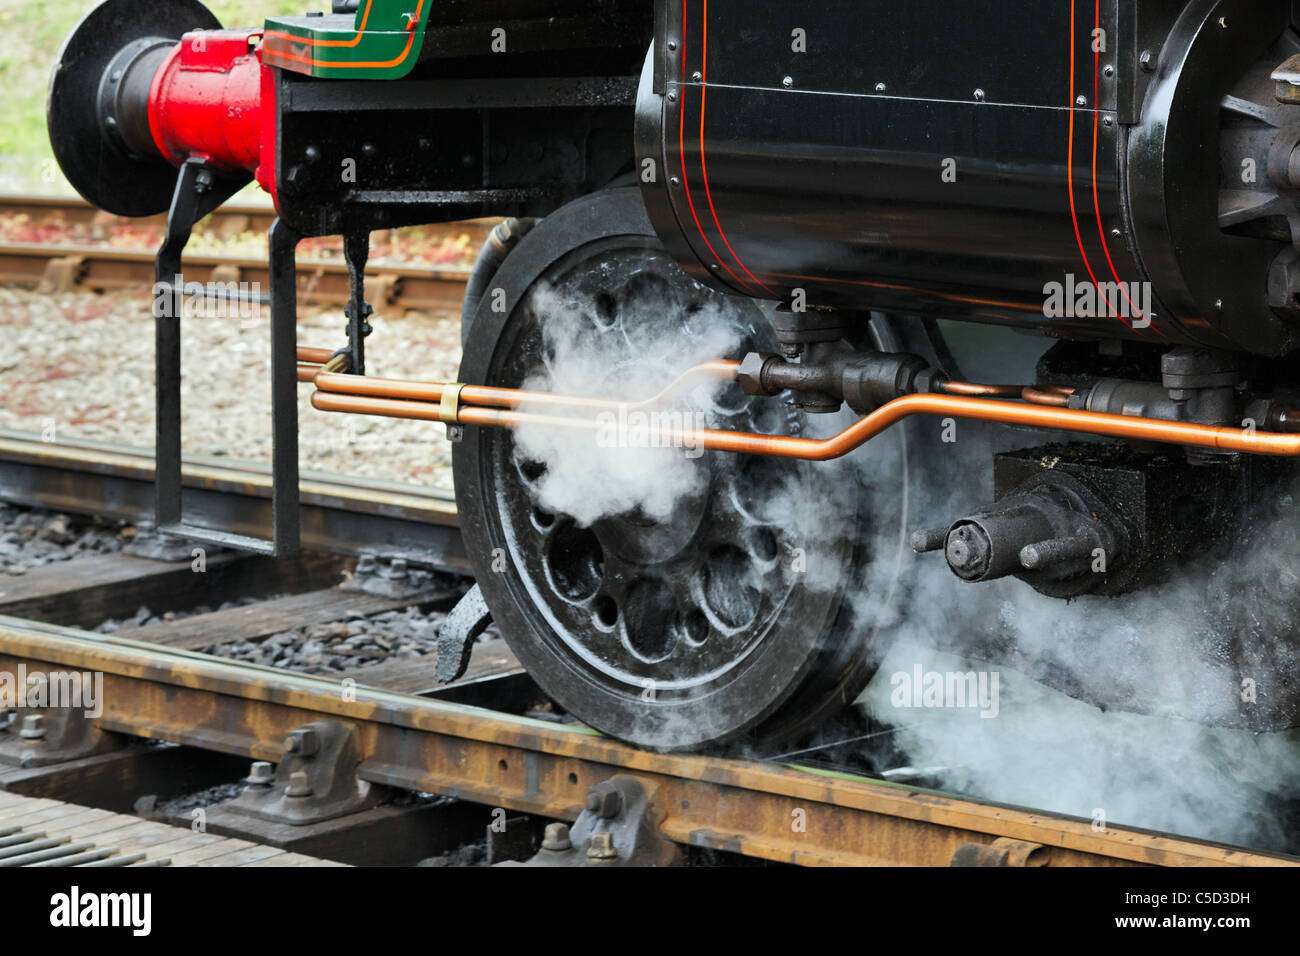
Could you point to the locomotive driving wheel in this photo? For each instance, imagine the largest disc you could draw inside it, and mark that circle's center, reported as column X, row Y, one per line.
column 726, row 618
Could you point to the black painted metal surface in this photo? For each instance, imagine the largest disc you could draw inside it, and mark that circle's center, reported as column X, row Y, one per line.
column 960, row 159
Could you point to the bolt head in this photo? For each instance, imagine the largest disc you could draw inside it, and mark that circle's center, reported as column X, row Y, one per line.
column 304, row 742
column 556, row 838
column 299, row 785
column 604, row 800
column 787, row 82
column 32, row 727
column 601, row 846
column 979, row 96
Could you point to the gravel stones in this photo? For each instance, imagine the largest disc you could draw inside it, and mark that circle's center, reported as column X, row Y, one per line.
column 325, row 649
column 30, row 539
column 79, row 366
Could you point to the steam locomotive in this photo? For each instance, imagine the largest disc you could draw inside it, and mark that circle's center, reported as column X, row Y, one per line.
column 879, row 209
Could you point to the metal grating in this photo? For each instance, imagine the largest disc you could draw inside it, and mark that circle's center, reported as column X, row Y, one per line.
column 20, row 846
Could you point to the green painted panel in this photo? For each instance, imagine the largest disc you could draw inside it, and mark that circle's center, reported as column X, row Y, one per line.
column 381, row 41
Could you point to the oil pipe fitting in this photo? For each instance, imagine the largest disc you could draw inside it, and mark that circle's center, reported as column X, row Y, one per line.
column 864, row 381
column 1196, row 385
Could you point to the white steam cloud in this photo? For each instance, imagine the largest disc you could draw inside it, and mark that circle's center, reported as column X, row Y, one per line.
column 598, row 474
column 1166, row 664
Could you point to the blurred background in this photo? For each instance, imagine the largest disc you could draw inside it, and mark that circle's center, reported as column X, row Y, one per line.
column 30, row 37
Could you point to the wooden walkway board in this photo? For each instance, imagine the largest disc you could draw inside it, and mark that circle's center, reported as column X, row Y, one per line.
column 104, row 585
column 84, row 591
column 161, row 844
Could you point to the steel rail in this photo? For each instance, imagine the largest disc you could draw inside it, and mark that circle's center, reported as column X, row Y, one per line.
column 101, row 268
column 73, row 210
column 545, row 768
column 230, row 217
column 340, row 515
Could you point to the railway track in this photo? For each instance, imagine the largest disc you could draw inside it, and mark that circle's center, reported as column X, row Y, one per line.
column 341, row 516
column 63, row 266
column 489, row 741
column 543, row 768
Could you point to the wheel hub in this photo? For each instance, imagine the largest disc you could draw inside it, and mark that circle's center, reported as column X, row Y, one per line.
column 638, row 538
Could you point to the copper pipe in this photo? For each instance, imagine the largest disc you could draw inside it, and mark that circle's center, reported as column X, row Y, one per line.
column 1047, row 395
column 986, row 391
column 315, row 356
column 1055, row 395
column 978, row 409
column 307, row 371
column 482, row 395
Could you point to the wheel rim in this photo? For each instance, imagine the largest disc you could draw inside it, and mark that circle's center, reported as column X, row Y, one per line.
column 670, row 629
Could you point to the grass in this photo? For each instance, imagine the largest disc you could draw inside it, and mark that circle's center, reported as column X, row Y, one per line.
column 31, row 32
